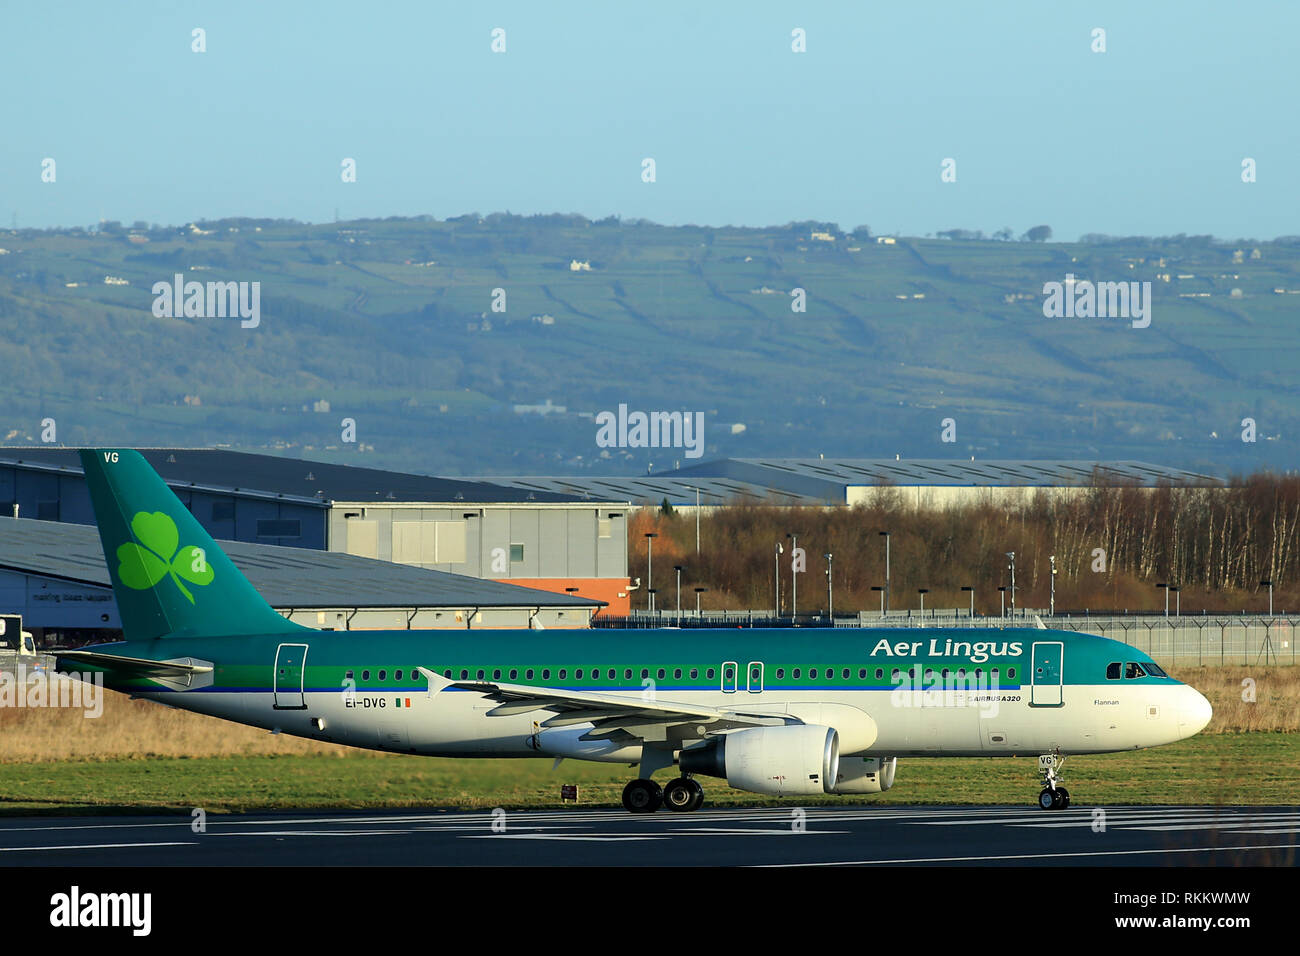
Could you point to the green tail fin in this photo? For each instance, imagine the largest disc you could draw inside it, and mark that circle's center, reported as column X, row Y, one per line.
column 169, row 577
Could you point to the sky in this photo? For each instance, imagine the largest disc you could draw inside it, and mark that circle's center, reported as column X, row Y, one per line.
column 1146, row 138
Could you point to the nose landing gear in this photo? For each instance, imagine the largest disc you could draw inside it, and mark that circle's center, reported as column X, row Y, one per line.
column 1053, row 796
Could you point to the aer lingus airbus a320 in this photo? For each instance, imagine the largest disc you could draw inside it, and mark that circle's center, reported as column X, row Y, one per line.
column 769, row 711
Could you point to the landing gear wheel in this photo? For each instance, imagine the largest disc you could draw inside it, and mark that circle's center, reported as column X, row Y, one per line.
column 681, row 794
column 1047, row 800
column 697, row 793
column 1053, row 796
column 1065, row 798
column 642, row 796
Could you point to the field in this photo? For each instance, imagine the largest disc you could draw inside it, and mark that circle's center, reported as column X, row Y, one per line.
column 140, row 757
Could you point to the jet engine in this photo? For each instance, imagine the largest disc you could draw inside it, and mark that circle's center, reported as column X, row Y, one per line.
column 798, row 759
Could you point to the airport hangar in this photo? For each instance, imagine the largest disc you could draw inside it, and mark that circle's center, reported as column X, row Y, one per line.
column 828, row 482
column 566, row 543
column 54, row 574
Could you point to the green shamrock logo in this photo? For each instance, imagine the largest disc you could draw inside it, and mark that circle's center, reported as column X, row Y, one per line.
column 141, row 566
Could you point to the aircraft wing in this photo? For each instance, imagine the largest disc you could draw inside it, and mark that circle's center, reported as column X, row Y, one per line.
column 610, row 714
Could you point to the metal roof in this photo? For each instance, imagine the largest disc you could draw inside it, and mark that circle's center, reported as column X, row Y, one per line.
column 227, row 471
column 285, row 577
column 819, row 481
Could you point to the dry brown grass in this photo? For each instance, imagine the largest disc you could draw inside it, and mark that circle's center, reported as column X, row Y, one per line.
column 138, row 728
column 135, row 728
column 1276, row 706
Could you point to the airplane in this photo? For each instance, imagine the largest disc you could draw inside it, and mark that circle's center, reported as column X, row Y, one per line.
column 769, row 711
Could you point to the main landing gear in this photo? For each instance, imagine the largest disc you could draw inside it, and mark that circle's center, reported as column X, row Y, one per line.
column 645, row 796
column 1053, row 797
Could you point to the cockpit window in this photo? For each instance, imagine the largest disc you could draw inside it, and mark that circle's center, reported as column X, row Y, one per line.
column 1133, row 669
column 1112, row 670
column 1154, row 669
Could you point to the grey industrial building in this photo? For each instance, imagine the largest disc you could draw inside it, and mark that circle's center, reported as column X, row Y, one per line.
column 54, row 574
column 848, row 481
column 557, row 541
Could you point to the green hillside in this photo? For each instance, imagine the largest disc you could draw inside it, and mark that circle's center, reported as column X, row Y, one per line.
column 391, row 323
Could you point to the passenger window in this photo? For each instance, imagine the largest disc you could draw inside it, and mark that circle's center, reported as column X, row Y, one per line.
column 645, row 672
column 496, row 674
column 546, row 673
column 577, row 675
column 845, row 675
column 862, row 673
column 564, row 672
column 893, row 675
column 709, row 673
column 383, row 675
column 627, row 674
column 880, row 673
column 1133, row 670
column 365, row 675
column 514, row 674
column 780, row 673
column 1011, row 673
column 944, row 673
column 662, row 672
column 397, row 676
column 348, row 676
column 812, row 673
column 613, row 674
column 528, row 674
column 695, row 673
column 447, row 674
column 795, row 675
column 677, row 673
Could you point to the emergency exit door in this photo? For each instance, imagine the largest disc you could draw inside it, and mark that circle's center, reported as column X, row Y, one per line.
column 1046, row 674
column 290, row 668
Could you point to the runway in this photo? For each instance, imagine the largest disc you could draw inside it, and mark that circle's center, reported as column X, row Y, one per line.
column 889, row 836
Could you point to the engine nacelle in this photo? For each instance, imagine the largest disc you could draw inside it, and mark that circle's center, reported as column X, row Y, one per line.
column 865, row 775
column 798, row 759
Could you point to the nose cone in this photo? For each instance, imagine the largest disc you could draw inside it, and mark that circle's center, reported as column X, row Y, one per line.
column 1194, row 712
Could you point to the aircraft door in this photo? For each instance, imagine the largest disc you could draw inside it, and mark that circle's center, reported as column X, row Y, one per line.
column 290, row 670
column 1046, row 674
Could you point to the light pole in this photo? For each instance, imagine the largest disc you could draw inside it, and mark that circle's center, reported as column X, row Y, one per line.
column 779, row 551
column 885, row 535
column 1269, row 585
column 794, row 577
column 876, row 587
column 678, row 569
column 698, row 592
column 1165, row 585
column 830, row 590
column 967, row 587
column 1178, row 600
column 697, row 520
column 650, row 569
column 923, row 592
column 1003, row 593
column 1012, row 556
column 1051, row 607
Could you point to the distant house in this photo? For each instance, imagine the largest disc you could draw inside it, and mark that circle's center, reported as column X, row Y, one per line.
column 885, row 240
column 822, row 237
column 545, row 409
column 115, row 280
column 543, row 319
column 576, row 266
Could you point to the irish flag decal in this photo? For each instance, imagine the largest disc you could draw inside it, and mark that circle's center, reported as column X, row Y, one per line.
column 403, row 702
